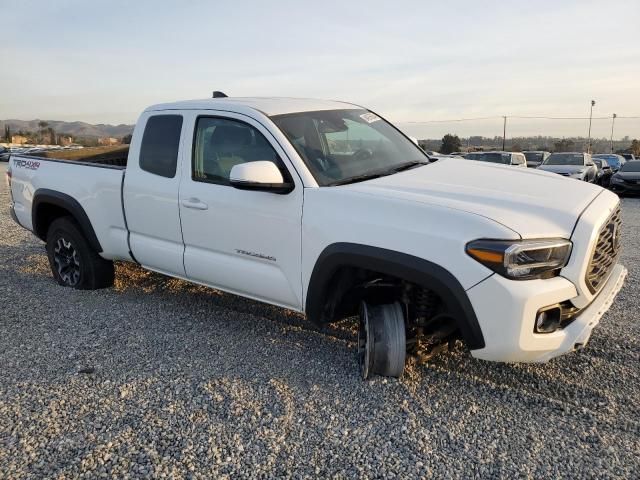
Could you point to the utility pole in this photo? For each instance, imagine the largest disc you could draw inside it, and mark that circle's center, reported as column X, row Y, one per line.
column 504, row 131
column 613, row 121
column 593, row 102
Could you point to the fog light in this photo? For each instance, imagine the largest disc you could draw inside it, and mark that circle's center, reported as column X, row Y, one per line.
column 548, row 320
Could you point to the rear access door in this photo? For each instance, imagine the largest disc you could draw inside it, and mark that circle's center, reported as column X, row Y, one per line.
column 150, row 195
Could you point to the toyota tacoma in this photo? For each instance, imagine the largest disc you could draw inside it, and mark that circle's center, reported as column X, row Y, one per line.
column 326, row 208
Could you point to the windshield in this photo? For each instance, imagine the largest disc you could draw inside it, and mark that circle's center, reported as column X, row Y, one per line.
column 565, row 159
column 345, row 146
column 533, row 156
column 504, row 158
column 632, row 166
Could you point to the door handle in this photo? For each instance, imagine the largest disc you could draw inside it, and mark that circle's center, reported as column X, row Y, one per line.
column 194, row 203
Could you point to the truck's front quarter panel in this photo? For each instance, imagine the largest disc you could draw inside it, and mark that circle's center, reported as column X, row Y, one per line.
column 433, row 233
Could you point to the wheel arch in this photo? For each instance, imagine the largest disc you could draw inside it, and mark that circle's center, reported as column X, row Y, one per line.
column 49, row 205
column 417, row 270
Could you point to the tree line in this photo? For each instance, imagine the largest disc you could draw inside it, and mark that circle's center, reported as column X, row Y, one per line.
column 452, row 143
column 46, row 135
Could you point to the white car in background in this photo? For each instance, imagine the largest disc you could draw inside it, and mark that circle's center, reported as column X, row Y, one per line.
column 576, row 165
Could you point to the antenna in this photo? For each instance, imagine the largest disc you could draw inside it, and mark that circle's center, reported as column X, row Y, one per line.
column 218, row 94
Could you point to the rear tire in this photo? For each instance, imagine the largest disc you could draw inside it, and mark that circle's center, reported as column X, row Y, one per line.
column 73, row 262
column 382, row 340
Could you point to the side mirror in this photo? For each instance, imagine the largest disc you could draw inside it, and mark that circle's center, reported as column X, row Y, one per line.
column 261, row 176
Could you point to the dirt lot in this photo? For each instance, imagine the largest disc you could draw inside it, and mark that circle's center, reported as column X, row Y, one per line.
column 160, row 378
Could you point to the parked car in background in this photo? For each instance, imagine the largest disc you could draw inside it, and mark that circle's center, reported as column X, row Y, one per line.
column 5, row 153
column 576, row 165
column 629, row 157
column 603, row 177
column 515, row 159
column 613, row 160
column 627, row 179
column 439, row 156
column 535, row 157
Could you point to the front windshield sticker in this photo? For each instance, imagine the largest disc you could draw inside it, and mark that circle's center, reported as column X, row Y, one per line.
column 369, row 117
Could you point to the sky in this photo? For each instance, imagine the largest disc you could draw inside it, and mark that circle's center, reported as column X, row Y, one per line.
column 410, row 61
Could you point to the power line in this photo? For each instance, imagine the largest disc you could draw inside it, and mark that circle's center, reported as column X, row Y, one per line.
column 454, row 120
column 533, row 117
column 558, row 118
column 565, row 118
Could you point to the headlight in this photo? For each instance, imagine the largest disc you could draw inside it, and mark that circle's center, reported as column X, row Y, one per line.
column 615, row 179
column 577, row 174
column 522, row 259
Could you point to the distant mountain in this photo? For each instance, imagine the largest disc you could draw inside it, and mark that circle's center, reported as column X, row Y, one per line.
column 77, row 129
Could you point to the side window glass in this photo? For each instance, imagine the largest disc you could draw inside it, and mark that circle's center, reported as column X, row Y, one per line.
column 220, row 144
column 160, row 143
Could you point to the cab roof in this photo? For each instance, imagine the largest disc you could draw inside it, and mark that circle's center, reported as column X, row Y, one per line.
column 267, row 105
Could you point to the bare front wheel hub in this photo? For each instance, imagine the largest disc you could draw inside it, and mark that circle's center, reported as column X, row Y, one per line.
column 382, row 340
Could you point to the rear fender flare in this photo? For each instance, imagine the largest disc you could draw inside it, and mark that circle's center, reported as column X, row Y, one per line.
column 44, row 196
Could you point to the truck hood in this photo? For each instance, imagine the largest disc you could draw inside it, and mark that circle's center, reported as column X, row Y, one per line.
column 569, row 169
column 532, row 203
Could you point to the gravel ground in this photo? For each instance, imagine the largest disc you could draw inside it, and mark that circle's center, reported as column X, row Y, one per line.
column 160, row 378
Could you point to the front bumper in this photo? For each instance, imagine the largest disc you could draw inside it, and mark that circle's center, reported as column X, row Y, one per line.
column 507, row 309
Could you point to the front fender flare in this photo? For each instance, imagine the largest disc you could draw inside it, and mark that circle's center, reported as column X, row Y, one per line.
column 389, row 262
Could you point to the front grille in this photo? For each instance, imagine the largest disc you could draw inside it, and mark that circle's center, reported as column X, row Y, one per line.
column 605, row 253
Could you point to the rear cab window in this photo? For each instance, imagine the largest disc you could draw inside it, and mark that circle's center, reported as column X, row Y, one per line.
column 160, row 145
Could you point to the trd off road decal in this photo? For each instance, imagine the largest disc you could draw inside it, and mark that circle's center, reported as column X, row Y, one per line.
column 28, row 164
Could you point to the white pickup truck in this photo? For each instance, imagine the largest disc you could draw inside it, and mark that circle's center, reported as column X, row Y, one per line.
column 325, row 208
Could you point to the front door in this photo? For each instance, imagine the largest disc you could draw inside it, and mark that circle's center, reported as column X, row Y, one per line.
column 245, row 242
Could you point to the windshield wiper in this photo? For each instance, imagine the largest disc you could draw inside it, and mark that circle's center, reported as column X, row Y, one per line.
column 408, row 165
column 384, row 173
column 358, row 178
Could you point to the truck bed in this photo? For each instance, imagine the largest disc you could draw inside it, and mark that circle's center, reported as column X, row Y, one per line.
column 93, row 156
column 67, row 183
